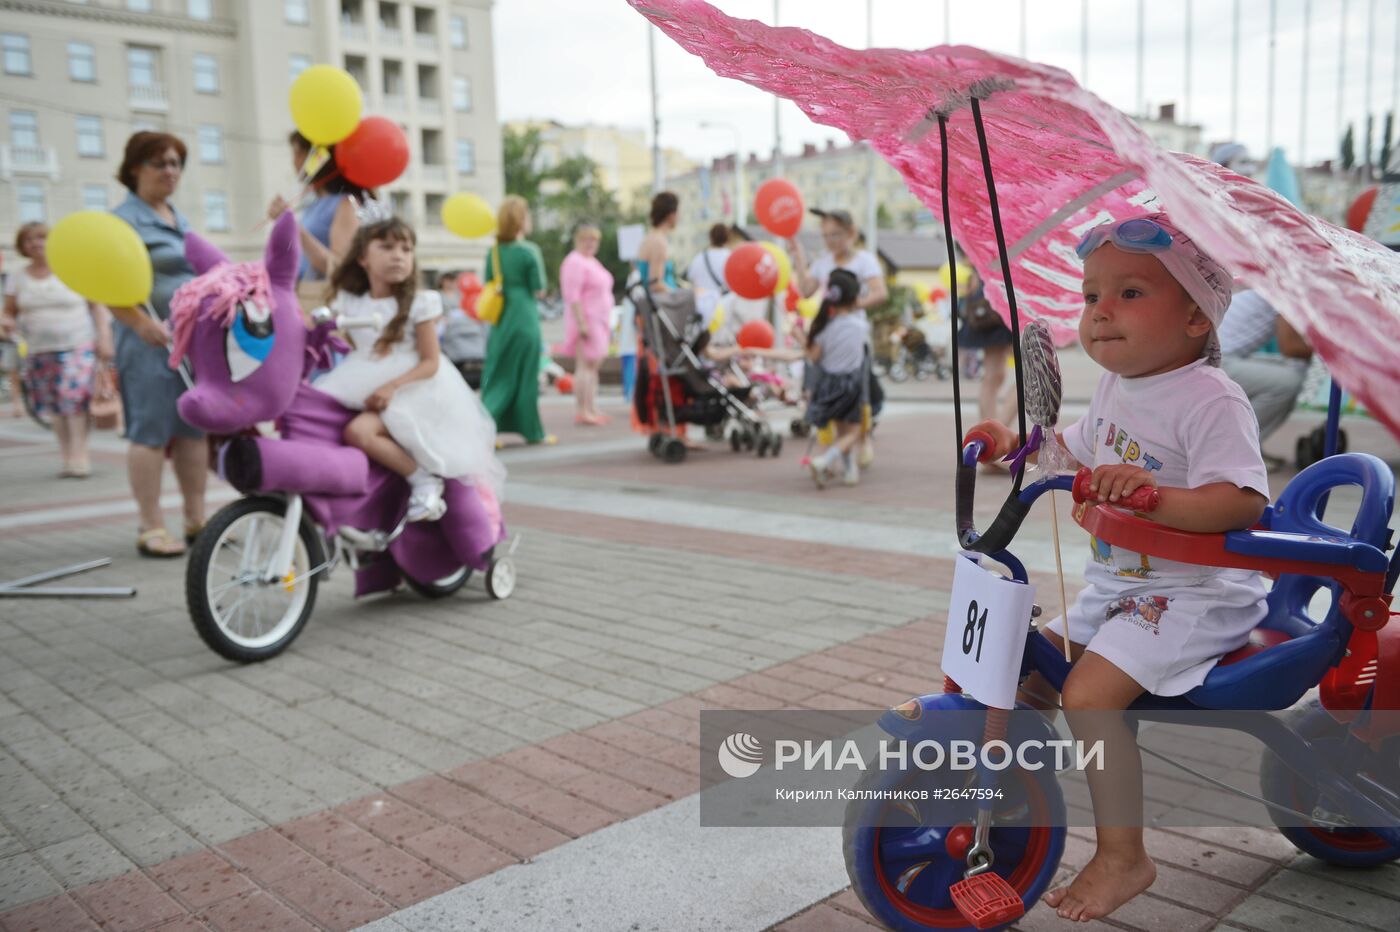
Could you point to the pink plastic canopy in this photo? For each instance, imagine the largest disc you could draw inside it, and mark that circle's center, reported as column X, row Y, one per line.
column 1063, row 161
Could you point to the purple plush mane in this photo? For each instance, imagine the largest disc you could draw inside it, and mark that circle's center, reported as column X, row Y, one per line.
column 241, row 328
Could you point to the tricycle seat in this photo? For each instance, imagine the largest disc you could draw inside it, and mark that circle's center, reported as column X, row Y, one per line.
column 1272, row 671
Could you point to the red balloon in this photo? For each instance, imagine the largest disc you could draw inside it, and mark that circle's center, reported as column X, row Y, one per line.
column 468, row 286
column 751, row 271
column 790, row 303
column 1360, row 209
column 565, row 384
column 375, row 154
column 756, row 334
column 778, row 206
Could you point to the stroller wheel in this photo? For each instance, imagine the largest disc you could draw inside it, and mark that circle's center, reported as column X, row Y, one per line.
column 673, row 450
column 655, row 441
column 763, row 442
column 714, row 431
column 799, row 427
column 736, row 442
column 777, row 446
column 750, row 440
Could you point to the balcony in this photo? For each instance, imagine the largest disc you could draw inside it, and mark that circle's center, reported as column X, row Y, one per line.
column 433, row 174
column 148, row 98
column 394, row 103
column 353, row 31
column 390, row 35
column 429, row 106
column 425, row 41
column 28, row 160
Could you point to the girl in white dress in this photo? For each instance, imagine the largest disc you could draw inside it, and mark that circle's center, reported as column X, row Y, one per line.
column 419, row 418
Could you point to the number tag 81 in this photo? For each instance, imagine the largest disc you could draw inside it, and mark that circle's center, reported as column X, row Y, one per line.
column 988, row 619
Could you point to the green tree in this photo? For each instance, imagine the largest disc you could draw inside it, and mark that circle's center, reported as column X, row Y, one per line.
column 1349, row 148
column 561, row 196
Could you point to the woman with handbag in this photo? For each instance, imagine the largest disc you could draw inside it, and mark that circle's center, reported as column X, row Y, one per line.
column 66, row 335
column 982, row 328
column 510, row 380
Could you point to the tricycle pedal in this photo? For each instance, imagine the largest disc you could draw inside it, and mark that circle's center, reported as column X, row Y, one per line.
column 986, row 900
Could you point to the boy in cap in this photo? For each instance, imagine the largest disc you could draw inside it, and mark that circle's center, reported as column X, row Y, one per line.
column 1163, row 415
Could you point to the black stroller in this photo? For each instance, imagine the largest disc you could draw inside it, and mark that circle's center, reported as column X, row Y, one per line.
column 675, row 386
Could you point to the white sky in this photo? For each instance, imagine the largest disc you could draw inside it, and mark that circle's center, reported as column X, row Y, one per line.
column 585, row 61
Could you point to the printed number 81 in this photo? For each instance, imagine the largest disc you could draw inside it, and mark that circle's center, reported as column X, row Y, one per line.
column 975, row 629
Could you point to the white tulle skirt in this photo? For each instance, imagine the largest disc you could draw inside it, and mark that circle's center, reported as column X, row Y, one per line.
column 439, row 421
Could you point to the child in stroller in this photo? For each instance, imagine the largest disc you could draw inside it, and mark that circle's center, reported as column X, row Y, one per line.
column 678, row 383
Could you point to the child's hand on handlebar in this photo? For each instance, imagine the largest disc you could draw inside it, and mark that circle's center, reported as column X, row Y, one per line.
column 1004, row 440
column 1114, row 483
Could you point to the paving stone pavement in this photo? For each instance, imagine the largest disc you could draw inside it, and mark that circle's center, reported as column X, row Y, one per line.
column 403, row 749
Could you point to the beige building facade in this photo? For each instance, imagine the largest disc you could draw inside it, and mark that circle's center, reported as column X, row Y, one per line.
column 623, row 156
column 79, row 77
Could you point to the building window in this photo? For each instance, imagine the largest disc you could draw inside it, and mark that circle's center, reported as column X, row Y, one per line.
column 216, row 211
column 24, row 128
column 457, row 32
column 398, row 200
column 206, row 73
column 461, row 93
column 31, row 202
column 140, row 6
column 90, row 137
column 466, row 157
column 200, row 9
column 296, row 12
column 297, row 64
column 141, row 67
column 82, row 61
column 432, row 209
column 16, row 54
column 94, row 197
column 211, row 145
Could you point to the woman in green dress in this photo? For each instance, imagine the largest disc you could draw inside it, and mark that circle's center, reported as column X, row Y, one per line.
column 510, row 380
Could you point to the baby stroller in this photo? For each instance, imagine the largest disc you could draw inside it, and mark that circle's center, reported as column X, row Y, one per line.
column 675, row 386
column 464, row 345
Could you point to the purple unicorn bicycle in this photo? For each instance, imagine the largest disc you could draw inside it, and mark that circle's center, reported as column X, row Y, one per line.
column 311, row 503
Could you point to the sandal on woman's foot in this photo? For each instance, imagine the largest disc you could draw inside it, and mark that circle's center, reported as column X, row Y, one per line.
column 192, row 531
column 548, row 440
column 72, row 471
column 158, row 543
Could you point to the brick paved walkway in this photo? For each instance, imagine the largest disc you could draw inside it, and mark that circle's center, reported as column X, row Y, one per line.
column 404, row 750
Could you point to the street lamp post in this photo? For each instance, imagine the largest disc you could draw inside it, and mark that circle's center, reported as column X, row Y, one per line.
column 738, row 169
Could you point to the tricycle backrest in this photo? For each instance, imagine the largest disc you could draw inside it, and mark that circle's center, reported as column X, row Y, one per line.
column 1299, row 507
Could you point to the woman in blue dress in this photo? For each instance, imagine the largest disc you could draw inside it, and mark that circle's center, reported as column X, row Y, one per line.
column 151, row 170
column 328, row 223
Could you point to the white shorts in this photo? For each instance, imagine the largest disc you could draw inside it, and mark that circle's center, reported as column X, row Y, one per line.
column 1165, row 634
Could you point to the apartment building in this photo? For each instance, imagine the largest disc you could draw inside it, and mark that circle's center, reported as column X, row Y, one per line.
column 77, row 78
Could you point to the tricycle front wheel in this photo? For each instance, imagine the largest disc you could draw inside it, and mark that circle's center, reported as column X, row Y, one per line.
column 902, row 862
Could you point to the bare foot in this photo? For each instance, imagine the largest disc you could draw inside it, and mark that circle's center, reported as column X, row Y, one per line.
column 1104, row 884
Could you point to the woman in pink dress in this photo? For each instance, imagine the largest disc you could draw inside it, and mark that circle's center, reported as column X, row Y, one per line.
column 587, row 287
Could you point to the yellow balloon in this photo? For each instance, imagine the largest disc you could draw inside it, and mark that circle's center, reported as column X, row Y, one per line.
column 784, row 266
column 468, row 215
column 923, row 292
column 99, row 256
column 808, row 308
column 717, row 319
column 326, row 104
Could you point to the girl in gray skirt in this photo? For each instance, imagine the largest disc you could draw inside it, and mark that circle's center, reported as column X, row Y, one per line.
column 836, row 351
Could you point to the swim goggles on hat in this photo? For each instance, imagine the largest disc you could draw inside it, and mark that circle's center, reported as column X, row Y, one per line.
column 1136, row 235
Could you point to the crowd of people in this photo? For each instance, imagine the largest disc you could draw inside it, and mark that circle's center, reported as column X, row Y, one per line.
column 826, row 362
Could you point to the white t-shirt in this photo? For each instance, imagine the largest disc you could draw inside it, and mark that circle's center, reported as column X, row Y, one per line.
column 708, row 288
column 863, row 265
column 52, row 317
column 1189, row 427
column 843, row 343
column 427, row 305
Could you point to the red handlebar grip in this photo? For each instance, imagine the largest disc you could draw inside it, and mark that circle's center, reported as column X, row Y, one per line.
column 1146, row 498
column 989, row 445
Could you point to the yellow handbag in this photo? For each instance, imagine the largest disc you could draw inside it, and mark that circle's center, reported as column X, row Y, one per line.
column 492, row 299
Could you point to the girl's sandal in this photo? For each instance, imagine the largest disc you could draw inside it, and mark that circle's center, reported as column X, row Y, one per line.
column 548, row 440
column 158, row 543
column 192, row 531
